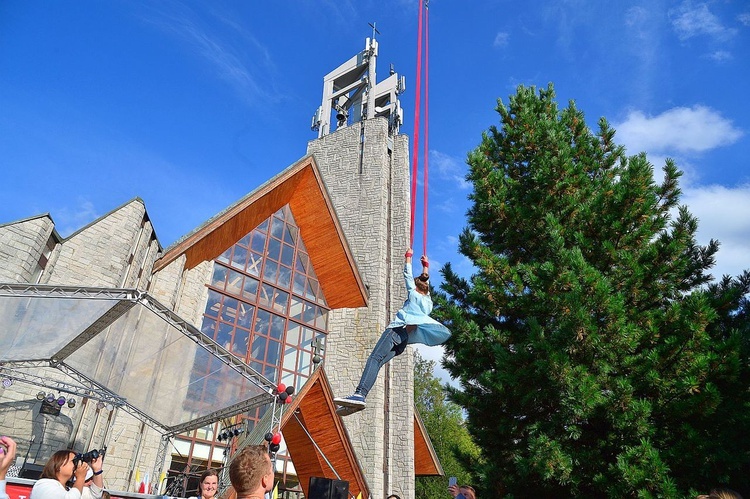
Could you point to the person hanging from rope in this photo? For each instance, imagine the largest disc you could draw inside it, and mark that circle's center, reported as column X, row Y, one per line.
column 412, row 324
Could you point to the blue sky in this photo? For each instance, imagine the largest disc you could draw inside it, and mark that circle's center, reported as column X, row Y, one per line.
column 192, row 104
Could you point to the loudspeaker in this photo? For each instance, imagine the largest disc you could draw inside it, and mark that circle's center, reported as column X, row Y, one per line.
column 327, row 488
column 31, row 471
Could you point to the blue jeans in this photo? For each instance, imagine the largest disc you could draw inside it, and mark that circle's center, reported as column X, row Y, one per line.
column 391, row 343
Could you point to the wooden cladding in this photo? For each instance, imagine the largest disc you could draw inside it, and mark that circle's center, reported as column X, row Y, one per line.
column 300, row 186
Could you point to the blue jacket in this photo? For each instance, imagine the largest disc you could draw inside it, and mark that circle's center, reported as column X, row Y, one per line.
column 416, row 312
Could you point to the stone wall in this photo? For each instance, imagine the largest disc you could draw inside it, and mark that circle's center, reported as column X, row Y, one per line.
column 102, row 253
column 21, row 245
column 371, row 198
column 117, row 250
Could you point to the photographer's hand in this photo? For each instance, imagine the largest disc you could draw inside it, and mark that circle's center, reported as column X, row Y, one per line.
column 80, row 474
column 8, row 455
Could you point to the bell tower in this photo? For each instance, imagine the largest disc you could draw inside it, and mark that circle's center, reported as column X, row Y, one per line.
column 351, row 95
column 364, row 162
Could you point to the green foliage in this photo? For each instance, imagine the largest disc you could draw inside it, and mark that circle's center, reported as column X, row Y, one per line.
column 444, row 423
column 594, row 357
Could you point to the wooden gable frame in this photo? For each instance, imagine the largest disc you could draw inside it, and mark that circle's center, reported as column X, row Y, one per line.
column 319, row 443
column 301, row 186
column 426, row 462
column 317, row 440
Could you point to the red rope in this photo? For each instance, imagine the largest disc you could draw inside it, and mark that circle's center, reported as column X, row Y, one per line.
column 426, row 121
column 415, row 154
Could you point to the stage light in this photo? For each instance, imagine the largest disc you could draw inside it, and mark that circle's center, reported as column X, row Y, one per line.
column 50, row 398
column 61, row 401
column 7, row 382
column 71, row 402
column 40, row 395
column 100, row 405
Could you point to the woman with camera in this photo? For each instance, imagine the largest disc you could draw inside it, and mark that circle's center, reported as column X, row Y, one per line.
column 64, row 466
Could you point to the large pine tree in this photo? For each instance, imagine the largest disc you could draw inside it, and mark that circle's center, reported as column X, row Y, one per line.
column 588, row 344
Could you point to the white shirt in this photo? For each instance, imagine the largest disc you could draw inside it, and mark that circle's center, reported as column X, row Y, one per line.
column 47, row 488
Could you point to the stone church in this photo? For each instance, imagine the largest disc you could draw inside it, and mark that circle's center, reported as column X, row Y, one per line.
column 291, row 284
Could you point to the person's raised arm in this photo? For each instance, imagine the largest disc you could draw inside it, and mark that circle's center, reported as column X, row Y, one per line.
column 7, row 457
column 80, row 474
column 97, row 479
column 408, row 275
column 425, row 265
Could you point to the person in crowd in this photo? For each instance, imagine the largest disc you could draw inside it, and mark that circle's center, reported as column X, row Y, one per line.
column 209, row 484
column 393, row 496
column 721, row 494
column 462, row 492
column 7, row 458
column 60, row 470
column 412, row 324
column 251, row 473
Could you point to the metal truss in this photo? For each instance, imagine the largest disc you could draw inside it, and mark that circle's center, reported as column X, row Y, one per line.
column 54, row 291
column 80, row 385
column 83, row 387
column 232, row 410
column 161, row 457
column 99, row 325
column 198, row 337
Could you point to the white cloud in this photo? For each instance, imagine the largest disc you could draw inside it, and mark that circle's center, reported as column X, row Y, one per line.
column 680, row 129
column 70, row 219
column 501, row 40
column 450, row 168
column 721, row 56
column 724, row 215
column 689, row 20
column 744, row 18
column 436, row 354
column 222, row 53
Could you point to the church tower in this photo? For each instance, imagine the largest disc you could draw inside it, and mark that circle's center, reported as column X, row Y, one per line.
column 364, row 162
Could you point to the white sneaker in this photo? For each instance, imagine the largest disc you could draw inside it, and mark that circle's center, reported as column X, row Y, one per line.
column 355, row 401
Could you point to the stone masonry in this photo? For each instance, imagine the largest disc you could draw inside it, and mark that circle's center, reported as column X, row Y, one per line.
column 117, row 250
column 371, row 197
column 22, row 244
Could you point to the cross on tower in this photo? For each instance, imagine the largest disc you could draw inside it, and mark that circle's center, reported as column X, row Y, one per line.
column 374, row 29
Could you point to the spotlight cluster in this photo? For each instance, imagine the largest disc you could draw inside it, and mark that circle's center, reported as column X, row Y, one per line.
column 227, row 434
column 60, row 401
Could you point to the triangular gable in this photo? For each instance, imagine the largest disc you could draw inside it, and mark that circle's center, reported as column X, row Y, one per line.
column 115, row 210
column 302, row 187
column 426, row 462
column 28, row 219
column 317, row 440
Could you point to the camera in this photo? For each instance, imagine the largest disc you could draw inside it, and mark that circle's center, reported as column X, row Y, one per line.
column 89, row 456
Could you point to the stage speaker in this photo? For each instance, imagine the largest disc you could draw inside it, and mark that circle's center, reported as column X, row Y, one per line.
column 31, row 471
column 327, row 488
